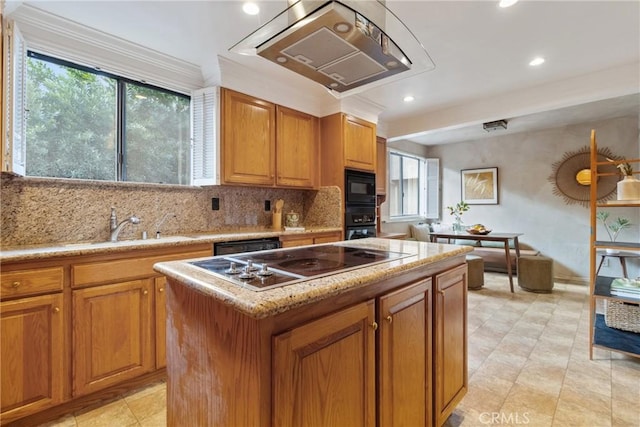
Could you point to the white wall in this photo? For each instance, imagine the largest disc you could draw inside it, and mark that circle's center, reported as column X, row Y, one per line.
column 526, row 201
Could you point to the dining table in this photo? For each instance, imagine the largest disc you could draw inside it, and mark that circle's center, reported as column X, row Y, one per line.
column 504, row 238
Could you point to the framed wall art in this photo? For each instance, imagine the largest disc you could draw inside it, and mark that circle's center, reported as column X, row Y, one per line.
column 480, row 186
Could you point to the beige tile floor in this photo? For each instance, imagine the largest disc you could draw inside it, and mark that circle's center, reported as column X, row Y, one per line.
column 528, row 365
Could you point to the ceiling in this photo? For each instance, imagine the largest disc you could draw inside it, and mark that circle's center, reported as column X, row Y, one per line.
column 480, row 51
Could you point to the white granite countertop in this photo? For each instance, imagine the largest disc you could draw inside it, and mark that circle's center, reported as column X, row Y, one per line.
column 37, row 252
column 261, row 304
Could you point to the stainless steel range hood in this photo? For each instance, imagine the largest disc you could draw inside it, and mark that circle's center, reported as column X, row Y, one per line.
column 345, row 46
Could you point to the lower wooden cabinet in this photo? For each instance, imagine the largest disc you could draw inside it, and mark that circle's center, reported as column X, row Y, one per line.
column 111, row 334
column 324, row 371
column 405, row 356
column 450, row 343
column 294, row 240
column 31, row 355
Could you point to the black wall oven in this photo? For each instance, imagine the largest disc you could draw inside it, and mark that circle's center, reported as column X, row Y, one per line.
column 360, row 205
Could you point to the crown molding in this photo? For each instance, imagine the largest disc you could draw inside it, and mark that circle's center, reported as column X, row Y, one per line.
column 53, row 35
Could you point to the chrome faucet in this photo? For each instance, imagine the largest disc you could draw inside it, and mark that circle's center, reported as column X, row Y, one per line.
column 115, row 228
column 162, row 220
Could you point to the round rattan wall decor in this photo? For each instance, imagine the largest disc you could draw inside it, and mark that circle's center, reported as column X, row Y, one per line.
column 566, row 170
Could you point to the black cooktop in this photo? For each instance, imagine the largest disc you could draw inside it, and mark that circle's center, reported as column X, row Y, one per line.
column 287, row 266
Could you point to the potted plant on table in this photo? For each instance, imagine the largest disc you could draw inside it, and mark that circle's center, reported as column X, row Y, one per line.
column 457, row 212
column 614, row 227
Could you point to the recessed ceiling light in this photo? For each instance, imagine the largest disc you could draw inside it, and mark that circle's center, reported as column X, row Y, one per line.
column 408, row 98
column 250, row 8
column 537, row 61
column 281, row 59
column 507, row 3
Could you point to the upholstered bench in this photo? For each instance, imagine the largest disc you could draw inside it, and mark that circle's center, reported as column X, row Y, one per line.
column 475, row 272
column 535, row 273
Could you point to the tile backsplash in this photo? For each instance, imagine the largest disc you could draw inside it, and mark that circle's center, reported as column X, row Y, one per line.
column 41, row 211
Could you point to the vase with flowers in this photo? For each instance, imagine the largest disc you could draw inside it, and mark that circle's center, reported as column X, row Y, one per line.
column 614, row 228
column 629, row 187
column 457, row 211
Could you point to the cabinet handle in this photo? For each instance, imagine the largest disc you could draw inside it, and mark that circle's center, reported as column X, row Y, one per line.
column 374, row 326
column 160, row 289
column 441, row 292
column 389, row 319
column 145, row 292
column 16, row 285
column 56, row 309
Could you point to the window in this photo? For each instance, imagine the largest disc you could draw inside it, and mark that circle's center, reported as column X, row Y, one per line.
column 86, row 124
column 413, row 186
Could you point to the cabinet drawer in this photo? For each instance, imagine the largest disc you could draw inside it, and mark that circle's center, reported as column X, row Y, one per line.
column 29, row 282
column 124, row 269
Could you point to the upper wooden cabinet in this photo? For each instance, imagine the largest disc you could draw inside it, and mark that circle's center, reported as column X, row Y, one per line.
column 266, row 144
column 381, row 166
column 297, row 155
column 248, row 139
column 346, row 142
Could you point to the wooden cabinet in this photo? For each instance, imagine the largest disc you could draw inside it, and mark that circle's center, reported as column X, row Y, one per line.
column 74, row 329
column 346, row 142
column 450, row 342
column 297, row 143
column 161, row 321
column 112, row 339
column 248, row 139
column 381, row 166
column 324, row 371
column 293, row 240
column 405, row 356
column 359, row 144
column 31, row 355
column 266, row 144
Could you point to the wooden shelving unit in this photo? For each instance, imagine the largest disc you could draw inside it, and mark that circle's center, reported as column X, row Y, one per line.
column 602, row 336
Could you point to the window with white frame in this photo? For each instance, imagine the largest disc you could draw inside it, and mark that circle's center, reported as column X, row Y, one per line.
column 413, row 186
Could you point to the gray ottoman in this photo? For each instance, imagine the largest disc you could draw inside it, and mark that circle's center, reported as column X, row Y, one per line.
column 535, row 273
column 475, row 273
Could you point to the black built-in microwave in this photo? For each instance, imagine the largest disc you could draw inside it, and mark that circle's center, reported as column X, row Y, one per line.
column 359, row 187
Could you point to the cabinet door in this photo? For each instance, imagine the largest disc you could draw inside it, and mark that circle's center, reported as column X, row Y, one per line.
column 405, row 356
column 111, row 334
column 31, row 355
column 359, row 144
column 161, row 322
column 324, row 373
column 297, row 149
column 450, row 344
column 248, row 140
column 381, row 166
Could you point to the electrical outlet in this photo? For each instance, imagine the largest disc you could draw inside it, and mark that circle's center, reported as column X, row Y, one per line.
column 267, row 205
column 215, row 203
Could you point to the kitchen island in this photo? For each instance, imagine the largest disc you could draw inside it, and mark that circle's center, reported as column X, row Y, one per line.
column 382, row 344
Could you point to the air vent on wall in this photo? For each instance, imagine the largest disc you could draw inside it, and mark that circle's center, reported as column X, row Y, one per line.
column 497, row 125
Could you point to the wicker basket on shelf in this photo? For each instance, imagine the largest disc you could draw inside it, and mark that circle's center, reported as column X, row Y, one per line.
column 622, row 315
